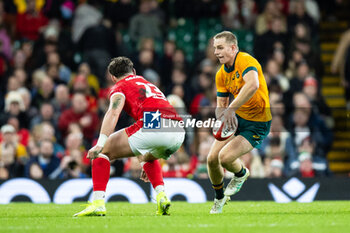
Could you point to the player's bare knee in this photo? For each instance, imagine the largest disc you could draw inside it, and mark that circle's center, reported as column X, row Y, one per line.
column 113, row 156
column 212, row 160
column 105, row 152
column 148, row 157
column 225, row 158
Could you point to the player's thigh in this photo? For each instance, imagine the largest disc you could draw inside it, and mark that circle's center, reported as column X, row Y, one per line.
column 234, row 149
column 156, row 143
column 117, row 146
column 213, row 155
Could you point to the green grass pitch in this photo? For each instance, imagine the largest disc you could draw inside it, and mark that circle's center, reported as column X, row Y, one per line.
column 237, row 217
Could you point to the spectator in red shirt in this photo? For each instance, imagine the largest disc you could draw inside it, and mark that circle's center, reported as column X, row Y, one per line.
column 61, row 102
column 79, row 114
column 81, row 85
column 28, row 24
column 23, row 134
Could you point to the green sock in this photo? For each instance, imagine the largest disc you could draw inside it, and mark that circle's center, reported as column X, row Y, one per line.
column 241, row 172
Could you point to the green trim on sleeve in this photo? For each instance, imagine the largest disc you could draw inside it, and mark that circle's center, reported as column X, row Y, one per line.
column 222, row 94
column 249, row 69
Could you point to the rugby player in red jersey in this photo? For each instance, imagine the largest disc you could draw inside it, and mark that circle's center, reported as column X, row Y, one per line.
column 137, row 97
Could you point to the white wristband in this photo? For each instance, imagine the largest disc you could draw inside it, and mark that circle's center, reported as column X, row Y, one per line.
column 101, row 140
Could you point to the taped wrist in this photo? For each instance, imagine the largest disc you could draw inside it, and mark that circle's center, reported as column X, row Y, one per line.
column 102, row 140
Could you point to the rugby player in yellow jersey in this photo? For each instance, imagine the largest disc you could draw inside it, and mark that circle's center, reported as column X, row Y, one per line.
column 242, row 76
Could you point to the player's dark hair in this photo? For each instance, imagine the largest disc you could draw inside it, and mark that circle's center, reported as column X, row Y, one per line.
column 120, row 66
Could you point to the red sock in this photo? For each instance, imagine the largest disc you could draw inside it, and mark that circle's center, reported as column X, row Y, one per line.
column 100, row 173
column 154, row 173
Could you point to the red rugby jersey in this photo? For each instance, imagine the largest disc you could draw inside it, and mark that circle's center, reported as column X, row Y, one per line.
column 140, row 96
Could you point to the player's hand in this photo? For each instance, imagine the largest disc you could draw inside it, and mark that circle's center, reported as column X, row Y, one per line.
column 229, row 118
column 219, row 111
column 144, row 176
column 94, row 151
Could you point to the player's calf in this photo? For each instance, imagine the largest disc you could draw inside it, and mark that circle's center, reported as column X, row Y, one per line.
column 100, row 177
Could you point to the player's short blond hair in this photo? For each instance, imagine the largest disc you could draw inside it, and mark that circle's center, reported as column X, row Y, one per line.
column 229, row 37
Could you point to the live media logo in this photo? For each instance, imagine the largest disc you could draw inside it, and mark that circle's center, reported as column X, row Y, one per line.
column 151, row 120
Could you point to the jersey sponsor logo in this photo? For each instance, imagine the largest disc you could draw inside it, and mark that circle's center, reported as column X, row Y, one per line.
column 235, row 76
column 151, row 120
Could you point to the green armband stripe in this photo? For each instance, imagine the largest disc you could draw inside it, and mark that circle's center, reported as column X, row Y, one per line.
column 222, row 94
column 249, row 69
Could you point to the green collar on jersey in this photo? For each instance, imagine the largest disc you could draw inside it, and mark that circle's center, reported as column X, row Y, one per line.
column 231, row 68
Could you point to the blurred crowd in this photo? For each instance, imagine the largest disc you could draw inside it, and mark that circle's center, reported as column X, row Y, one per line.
column 54, row 90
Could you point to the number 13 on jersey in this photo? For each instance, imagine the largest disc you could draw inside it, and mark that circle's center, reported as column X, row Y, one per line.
column 152, row 90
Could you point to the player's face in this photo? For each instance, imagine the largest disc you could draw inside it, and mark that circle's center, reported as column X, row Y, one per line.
column 224, row 51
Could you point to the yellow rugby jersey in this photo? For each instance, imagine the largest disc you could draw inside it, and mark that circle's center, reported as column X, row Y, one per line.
column 230, row 80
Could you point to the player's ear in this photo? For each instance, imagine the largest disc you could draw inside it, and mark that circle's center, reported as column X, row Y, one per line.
column 109, row 76
column 112, row 77
column 134, row 71
column 234, row 47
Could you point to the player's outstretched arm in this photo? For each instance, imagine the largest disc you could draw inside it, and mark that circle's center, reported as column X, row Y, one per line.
column 111, row 117
column 109, row 122
column 221, row 104
column 248, row 90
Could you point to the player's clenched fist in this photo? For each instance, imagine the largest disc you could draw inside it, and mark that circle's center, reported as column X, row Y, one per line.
column 94, row 151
